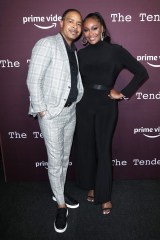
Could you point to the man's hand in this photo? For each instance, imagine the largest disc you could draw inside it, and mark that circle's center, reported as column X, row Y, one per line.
column 41, row 114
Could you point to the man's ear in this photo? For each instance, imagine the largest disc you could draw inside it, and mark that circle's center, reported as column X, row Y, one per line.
column 61, row 24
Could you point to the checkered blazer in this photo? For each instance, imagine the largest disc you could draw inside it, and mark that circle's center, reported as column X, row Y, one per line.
column 49, row 78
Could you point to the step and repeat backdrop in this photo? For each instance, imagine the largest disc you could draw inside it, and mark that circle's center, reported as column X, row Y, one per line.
column 133, row 24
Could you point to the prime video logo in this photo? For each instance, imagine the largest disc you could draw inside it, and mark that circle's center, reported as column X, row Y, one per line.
column 151, row 60
column 45, row 164
column 43, row 22
column 148, row 132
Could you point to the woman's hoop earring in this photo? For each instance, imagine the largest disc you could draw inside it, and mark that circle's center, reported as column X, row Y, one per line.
column 102, row 36
column 84, row 41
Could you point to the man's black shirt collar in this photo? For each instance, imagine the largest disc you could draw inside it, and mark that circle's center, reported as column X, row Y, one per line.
column 70, row 48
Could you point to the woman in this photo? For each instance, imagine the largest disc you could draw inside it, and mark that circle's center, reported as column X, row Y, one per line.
column 100, row 64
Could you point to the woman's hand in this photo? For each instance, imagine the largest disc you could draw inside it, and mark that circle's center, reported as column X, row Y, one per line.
column 114, row 94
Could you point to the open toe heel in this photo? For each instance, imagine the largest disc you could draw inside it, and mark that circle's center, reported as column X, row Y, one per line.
column 90, row 198
column 106, row 208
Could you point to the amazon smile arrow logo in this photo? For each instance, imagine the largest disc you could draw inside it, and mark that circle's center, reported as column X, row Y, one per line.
column 149, row 136
column 153, row 65
column 43, row 27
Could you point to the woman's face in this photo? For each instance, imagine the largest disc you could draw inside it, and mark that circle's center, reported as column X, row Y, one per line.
column 92, row 30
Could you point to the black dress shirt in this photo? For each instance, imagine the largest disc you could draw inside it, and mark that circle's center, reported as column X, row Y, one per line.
column 74, row 71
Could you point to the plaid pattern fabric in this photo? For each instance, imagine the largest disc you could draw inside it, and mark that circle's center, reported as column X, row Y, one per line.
column 49, row 78
column 58, row 135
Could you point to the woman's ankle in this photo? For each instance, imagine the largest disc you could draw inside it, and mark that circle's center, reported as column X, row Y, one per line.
column 91, row 193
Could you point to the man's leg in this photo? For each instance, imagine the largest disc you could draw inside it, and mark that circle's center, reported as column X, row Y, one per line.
column 58, row 132
column 53, row 133
column 68, row 138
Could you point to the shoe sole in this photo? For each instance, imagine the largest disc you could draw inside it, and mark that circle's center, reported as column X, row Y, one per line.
column 69, row 206
column 61, row 230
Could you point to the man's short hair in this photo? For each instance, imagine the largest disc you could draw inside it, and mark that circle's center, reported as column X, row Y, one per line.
column 70, row 10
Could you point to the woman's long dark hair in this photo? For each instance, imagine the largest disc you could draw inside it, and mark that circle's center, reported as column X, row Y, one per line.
column 97, row 16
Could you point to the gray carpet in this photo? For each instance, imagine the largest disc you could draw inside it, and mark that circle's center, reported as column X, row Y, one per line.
column 27, row 212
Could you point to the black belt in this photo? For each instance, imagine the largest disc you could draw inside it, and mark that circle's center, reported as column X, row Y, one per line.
column 68, row 104
column 97, row 86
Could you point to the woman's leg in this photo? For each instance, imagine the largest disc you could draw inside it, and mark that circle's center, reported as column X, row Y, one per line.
column 105, row 123
column 84, row 144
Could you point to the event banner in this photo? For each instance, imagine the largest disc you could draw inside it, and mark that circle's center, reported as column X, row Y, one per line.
column 135, row 25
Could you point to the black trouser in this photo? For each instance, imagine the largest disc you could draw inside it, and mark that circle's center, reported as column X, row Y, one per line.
column 96, row 121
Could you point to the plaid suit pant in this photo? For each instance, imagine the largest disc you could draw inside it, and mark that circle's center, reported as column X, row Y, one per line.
column 58, row 135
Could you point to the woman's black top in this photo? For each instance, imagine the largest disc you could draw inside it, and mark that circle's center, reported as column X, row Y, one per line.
column 102, row 62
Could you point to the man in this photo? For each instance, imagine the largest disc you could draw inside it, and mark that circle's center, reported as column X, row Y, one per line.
column 55, row 86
